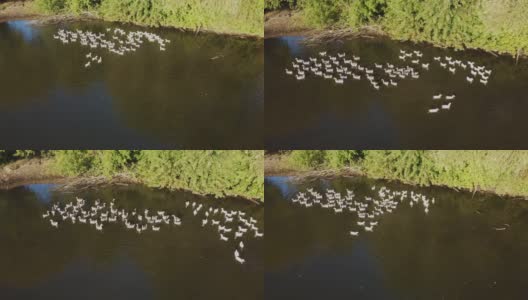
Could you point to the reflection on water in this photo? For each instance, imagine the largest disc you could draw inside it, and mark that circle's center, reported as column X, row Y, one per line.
column 453, row 252
column 176, row 98
column 311, row 112
column 76, row 261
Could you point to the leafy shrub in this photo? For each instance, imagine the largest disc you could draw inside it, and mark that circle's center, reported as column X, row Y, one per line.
column 322, row 12
column 342, row 158
column 51, row 6
column 412, row 166
column 73, row 162
column 504, row 172
column 307, row 158
column 276, row 4
column 221, row 173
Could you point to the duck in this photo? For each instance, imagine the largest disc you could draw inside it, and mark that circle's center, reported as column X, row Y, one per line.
column 354, row 233
column 446, row 106
column 436, row 97
column 338, row 81
column 239, row 259
column 434, row 110
column 300, row 77
column 450, row 97
column 54, row 224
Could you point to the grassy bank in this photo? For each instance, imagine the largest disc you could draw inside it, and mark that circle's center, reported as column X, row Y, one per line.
column 501, row 172
column 219, row 173
column 494, row 25
column 223, row 16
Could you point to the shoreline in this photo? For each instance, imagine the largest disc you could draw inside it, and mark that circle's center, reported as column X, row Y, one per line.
column 39, row 171
column 273, row 167
column 288, row 22
column 18, row 11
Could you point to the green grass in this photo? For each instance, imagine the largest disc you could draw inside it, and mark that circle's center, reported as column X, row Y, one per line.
column 502, row 172
column 495, row 25
column 226, row 16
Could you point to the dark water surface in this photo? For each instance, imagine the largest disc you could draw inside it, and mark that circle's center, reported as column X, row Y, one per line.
column 179, row 98
column 314, row 112
column 78, row 262
column 453, row 252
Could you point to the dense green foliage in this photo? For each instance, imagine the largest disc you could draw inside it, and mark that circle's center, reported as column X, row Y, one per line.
column 215, row 172
column 276, row 4
column 220, row 173
column 504, row 172
column 10, row 155
column 233, row 16
column 498, row 25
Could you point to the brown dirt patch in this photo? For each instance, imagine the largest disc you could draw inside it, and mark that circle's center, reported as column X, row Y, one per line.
column 18, row 10
column 40, row 170
column 26, row 171
column 285, row 23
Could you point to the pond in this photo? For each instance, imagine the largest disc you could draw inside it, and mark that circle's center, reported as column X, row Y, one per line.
column 197, row 91
column 466, row 246
column 77, row 261
column 306, row 113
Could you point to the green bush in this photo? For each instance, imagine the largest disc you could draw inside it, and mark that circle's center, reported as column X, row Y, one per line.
column 111, row 162
column 221, row 173
column 51, row 6
column 307, row 158
column 224, row 16
column 79, row 6
column 323, row 12
column 498, row 25
column 276, row 4
column 362, row 12
column 73, row 162
column 342, row 158
column 411, row 166
column 504, row 172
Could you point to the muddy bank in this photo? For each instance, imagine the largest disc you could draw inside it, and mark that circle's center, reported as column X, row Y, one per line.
column 285, row 23
column 40, row 170
column 290, row 23
column 18, row 10
column 278, row 165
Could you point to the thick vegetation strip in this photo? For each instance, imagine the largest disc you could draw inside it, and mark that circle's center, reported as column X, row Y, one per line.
column 502, row 172
column 496, row 25
column 229, row 16
column 219, row 173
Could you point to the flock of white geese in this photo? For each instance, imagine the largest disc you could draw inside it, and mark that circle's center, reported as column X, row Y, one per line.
column 232, row 226
column 116, row 41
column 342, row 67
column 369, row 210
